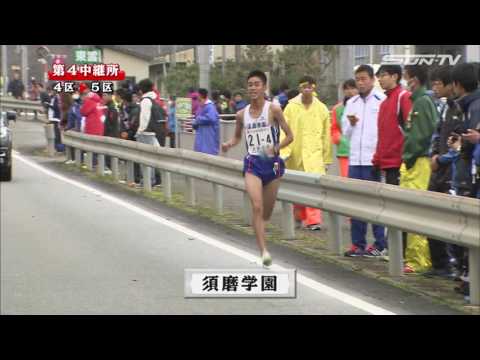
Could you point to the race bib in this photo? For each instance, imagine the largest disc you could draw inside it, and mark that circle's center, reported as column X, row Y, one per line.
column 259, row 139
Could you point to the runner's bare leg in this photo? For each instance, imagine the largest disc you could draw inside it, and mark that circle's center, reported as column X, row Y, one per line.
column 269, row 198
column 253, row 185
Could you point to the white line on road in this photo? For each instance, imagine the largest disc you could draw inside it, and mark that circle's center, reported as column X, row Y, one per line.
column 313, row 284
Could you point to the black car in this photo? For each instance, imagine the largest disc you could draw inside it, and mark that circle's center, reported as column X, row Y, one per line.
column 6, row 146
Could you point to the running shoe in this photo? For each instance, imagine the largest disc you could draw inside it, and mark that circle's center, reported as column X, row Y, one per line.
column 373, row 252
column 408, row 269
column 354, row 251
column 266, row 259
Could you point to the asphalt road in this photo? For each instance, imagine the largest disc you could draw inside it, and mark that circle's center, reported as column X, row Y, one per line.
column 70, row 245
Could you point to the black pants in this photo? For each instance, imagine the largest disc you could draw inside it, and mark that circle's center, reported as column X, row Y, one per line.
column 171, row 135
column 161, row 134
column 56, row 129
column 392, row 176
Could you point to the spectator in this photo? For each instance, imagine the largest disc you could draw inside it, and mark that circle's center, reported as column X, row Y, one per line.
column 217, row 101
column 283, row 96
column 74, row 121
column 239, row 102
column 152, row 116
column 228, row 105
column 129, row 127
column 111, row 125
column 131, row 116
column 444, row 255
column 44, row 98
column 172, row 120
column 54, row 117
column 206, row 125
column 392, row 115
column 310, row 151
column 465, row 87
column 415, row 170
column 152, row 121
column 359, row 124
column 34, row 94
column 192, row 94
column 16, row 87
column 92, row 111
column 340, row 140
column 74, row 117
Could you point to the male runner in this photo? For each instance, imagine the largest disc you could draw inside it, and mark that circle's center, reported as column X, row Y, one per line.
column 262, row 166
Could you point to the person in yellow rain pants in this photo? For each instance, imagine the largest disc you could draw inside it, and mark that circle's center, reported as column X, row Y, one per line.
column 311, row 149
column 415, row 170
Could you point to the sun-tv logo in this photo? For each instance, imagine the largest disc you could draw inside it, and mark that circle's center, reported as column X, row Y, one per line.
column 421, row 59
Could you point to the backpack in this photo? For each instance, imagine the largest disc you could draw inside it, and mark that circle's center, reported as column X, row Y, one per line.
column 158, row 117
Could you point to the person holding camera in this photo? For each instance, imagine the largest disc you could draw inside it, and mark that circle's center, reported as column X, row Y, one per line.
column 443, row 164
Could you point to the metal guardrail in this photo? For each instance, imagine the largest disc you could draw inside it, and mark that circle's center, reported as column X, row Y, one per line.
column 440, row 216
column 12, row 103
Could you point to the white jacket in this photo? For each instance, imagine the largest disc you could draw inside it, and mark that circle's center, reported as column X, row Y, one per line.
column 362, row 136
column 145, row 111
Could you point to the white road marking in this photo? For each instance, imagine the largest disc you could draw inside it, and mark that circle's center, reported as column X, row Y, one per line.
column 306, row 281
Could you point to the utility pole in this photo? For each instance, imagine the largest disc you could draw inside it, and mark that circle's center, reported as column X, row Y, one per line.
column 204, row 66
column 25, row 66
column 224, row 56
column 4, row 70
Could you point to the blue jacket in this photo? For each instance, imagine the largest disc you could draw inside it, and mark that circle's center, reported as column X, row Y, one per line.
column 240, row 105
column 74, row 118
column 206, row 124
column 172, row 121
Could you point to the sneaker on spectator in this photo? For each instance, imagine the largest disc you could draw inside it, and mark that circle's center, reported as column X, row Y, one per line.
column 408, row 269
column 354, row 251
column 107, row 171
column 373, row 252
column 69, row 162
column 314, row 227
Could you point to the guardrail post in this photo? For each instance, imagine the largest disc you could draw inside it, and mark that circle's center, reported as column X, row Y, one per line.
column 130, row 171
column 190, row 182
column 218, row 198
column 474, row 275
column 50, row 136
column 395, row 252
column 115, row 170
column 335, row 243
column 89, row 158
column 101, row 164
column 288, row 222
column 147, row 178
column 68, row 152
column 247, row 209
column 78, row 157
column 167, row 184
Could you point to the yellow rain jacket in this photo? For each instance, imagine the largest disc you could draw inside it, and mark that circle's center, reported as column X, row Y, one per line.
column 311, row 149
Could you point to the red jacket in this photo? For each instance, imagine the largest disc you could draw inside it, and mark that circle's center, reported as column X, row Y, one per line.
column 92, row 109
column 390, row 138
